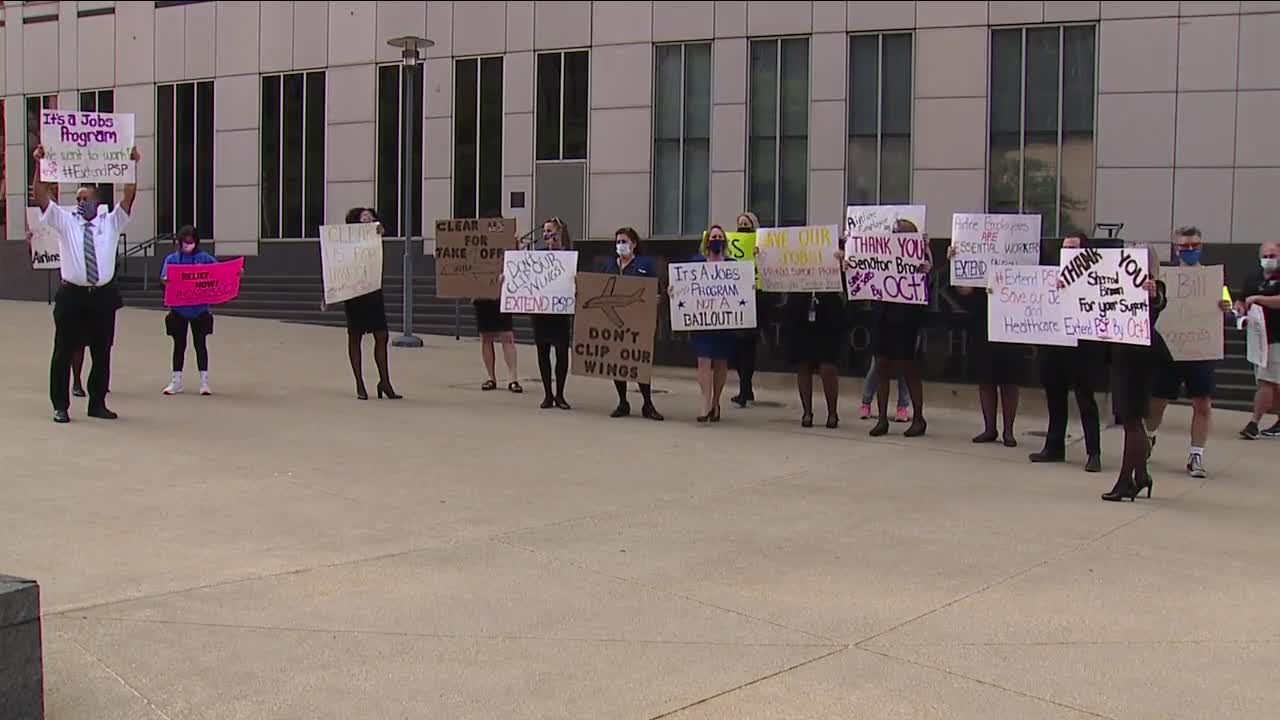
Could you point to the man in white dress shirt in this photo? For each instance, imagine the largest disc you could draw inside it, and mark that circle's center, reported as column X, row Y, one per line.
column 85, row 305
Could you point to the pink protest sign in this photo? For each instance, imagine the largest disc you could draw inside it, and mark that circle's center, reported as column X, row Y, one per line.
column 211, row 284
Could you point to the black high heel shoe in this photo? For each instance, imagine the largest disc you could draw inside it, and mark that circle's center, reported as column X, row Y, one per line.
column 361, row 393
column 563, row 404
column 715, row 414
column 806, row 420
column 987, row 436
column 547, row 403
column 1124, row 489
column 388, row 392
column 1147, row 483
column 918, row 427
column 650, row 412
column 833, row 422
column 881, row 427
column 704, row 418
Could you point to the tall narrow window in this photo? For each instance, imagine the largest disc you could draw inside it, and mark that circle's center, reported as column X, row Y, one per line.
column 35, row 103
column 390, row 131
column 1042, row 108
column 681, row 138
column 477, row 137
column 879, row 159
column 778, row 132
column 293, row 155
column 4, row 187
column 562, row 105
column 184, row 157
column 100, row 101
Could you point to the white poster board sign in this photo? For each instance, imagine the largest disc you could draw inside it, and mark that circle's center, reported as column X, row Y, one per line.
column 1025, row 306
column 880, row 219
column 1256, row 348
column 983, row 241
column 712, row 296
column 539, row 282
column 1103, row 295
column 1191, row 324
column 46, row 253
column 351, row 259
column 799, row 259
column 86, row 147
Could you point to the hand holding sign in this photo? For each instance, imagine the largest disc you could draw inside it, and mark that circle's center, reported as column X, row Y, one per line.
column 1107, row 295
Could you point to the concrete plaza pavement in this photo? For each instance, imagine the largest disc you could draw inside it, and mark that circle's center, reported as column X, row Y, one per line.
column 282, row 550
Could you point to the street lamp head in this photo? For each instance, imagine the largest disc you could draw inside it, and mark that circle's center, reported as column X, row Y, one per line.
column 410, row 47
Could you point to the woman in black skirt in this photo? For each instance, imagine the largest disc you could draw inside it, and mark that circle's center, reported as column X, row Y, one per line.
column 367, row 314
column 816, row 321
column 553, row 332
column 995, row 365
column 1133, row 369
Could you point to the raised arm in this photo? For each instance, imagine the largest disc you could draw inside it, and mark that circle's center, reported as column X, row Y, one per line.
column 39, row 188
column 131, row 190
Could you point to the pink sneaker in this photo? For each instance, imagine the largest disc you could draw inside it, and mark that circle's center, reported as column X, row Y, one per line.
column 864, row 411
column 903, row 415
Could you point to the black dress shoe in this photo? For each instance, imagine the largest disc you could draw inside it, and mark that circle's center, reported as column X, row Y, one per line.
column 1044, row 456
column 650, row 412
column 77, row 390
column 1093, row 464
column 622, row 410
column 102, row 413
column 61, row 416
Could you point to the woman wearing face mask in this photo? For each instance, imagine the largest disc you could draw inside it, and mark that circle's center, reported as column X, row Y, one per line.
column 747, row 340
column 368, row 314
column 627, row 261
column 715, row 347
column 553, row 332
column 196, row 317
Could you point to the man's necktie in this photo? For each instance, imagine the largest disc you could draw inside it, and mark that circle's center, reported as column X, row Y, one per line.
column 90, row 255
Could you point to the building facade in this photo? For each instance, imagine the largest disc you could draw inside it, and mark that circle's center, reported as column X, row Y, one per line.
column 260, row 121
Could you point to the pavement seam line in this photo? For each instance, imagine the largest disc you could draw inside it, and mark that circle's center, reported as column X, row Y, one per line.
column 145, row 700
column 749, row 683
column 986, row 683
column 452, row 636
column 830, row 642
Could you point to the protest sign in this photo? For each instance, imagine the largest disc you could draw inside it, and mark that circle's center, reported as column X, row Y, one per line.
column 1191, row 324
column 984, row 241
column 212, row 284
column 799, row 259
column 469, row 256
column 887, row 267
column 1025, row 306
column 86, row 147
column 46, row 253
column 613, row 328
column 1256, row 348
column 351, row 259
column 1103, row 295
column 883, row 219
column 539, row 282
column 712, row 296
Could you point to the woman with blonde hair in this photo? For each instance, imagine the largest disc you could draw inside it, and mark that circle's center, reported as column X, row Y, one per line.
column 747, row 341
column 553, row 332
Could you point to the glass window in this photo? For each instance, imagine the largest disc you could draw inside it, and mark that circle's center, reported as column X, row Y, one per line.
column 477, row 137
column 879, row 152
column 184, row 156
column 561, row 92
column 1041, row 118
column 293, row 137
column 35, row 103
column 100, row 101
column 681, row 139
column 778, row 132
column 390, row 130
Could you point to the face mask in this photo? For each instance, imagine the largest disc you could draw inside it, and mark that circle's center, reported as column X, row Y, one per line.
column 1270, row 265
column 86, row 208
column 715, row 247
column 1190, row 256
column 624, row 249
column 188, row 248
column 745, row 228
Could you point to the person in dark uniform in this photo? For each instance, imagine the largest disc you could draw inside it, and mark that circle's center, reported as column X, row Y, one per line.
column 553, row 332
column 193, row 318
column 86, row 303
column 748, row 341
column 817, row 326
column 627, row 261
column 1264, row 290
column 713, row 348
column 1064, row 368
column 367, row 314
column 1133, row 372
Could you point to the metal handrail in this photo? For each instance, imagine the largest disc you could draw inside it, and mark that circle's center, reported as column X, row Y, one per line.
column 139, row 249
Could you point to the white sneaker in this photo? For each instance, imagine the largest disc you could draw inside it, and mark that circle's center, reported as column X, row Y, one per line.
column 204, row 389
column 1195, row 467
column 173, row 388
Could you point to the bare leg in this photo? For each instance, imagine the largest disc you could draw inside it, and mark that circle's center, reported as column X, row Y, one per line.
column 486, row 352
column 1265, row 399
column 721, row 375
column 705, row 377
column 1156, row 416
column 509, row 356
column 1201, row 421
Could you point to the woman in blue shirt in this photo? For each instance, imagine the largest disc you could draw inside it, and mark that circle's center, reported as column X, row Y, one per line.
column 714, row 347
column 196, row 317
column 627, row 261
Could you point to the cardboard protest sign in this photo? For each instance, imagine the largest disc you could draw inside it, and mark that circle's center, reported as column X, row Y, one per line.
column 46, row 252
column 799, row 259
column 613, row 329
column 985, row 241
column 1191, row 324
column 1026, row 307
column 1256, row 348
column 887, row 266
column 212, row 284
column 469, row 256
column 86, row 147
column 539, row 282
column 1104, row 298
column 351, row 259
column 712, row 296
column 883, row 219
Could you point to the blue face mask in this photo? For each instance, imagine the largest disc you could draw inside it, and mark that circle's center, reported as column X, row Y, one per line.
column 1189, row 256
column 715, row 247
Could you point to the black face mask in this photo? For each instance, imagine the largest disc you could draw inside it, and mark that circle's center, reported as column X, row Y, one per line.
column 715, row 247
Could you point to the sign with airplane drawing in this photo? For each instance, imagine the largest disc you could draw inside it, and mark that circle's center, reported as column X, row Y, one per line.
column 615, row 321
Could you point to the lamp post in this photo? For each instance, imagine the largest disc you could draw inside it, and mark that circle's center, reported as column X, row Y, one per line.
column 410, row 57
